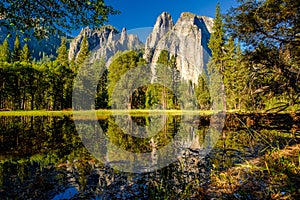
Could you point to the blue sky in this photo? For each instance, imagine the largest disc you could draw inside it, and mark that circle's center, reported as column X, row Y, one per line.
column 138, row 14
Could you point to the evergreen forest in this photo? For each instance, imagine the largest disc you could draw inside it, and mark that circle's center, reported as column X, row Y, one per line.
column 256, row 56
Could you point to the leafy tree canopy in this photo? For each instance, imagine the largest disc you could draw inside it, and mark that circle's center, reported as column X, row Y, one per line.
column 275, row 22
column 270, row 29
column 50, row 16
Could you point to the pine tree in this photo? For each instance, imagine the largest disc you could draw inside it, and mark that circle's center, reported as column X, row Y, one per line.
column 269, row 30
column 5, row 51
column 17, row 50
column 163, row 57
column 217, row 40
column 102, row 95
column 62, row 53
column 202, row 92
column 242, row 77
column 216, row 64
column 83, row 52
column 25, row 54
column 162, row 73
column 230, row 79
column 176, row 79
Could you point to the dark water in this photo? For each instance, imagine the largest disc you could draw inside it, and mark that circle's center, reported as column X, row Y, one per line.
column 45, row 158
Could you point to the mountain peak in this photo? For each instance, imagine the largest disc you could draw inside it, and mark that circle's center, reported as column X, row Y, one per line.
column 104, row 41
column 164, row 23
column 187, row 15
column 164, row 20
column 187, row 40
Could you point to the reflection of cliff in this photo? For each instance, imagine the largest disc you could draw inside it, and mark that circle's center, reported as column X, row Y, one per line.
column 43, row 158
column 131, row 151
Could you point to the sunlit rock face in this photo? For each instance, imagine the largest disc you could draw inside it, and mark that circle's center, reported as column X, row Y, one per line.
column 163, row 25
column 94, row 37
column 104, row 42
column 187, row 40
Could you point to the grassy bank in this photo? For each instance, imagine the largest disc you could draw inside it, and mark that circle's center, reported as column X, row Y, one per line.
column 274, row 175
column 136, row 112
column 106, row 112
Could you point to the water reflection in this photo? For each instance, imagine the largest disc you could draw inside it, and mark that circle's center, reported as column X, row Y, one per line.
column 44, row 158
column 131, row 148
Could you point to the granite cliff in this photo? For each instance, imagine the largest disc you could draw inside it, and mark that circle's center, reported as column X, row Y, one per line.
column 104, row 42
column 187, row 40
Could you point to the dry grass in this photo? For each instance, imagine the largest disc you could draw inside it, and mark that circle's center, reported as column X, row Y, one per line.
column 273, row 176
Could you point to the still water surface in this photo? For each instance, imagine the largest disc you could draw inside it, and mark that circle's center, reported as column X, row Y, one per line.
column 44, row 157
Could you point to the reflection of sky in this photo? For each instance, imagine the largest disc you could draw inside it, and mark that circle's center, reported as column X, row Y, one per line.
column 67, row 194
column 137, row 14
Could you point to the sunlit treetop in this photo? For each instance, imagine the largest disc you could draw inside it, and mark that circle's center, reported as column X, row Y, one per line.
column 46, row 17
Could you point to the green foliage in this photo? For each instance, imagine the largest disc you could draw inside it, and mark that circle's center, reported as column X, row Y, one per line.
column 83, row 52
column 163, row 57
column 269, row 30
column 236, row 77
column 163, row 93
column 48, row 17
column 25, row 54
column 202, row 92
column 102, row 94
column 264, row 75
column 85, row 88
column 139, row 98
column 27, row 85
column 216, row 65
column 62, row 53
column 5, row 51
column 217, row 40
column 269, row 21
column 119, row 66
column 228, row 73
column 17, row 50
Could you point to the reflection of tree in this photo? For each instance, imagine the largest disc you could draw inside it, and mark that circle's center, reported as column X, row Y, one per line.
column 34, row 148
column 42, row 156
column 162, row 137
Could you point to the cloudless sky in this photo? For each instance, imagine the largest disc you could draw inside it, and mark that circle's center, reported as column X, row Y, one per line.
column 143, row 13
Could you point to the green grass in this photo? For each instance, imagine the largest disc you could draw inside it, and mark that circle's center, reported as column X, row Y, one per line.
column 136, row 112
column 105, row 112
column 36, row 113
column 275, row 175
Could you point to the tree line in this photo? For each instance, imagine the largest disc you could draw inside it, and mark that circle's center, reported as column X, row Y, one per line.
column 255, row 57
column 29, row 85
column 255, row 51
